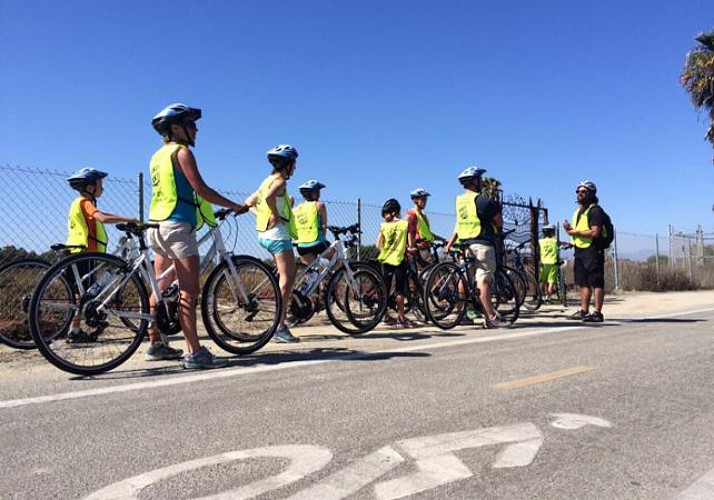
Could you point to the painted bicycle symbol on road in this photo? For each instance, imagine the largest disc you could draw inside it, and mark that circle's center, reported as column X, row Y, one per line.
column 433, row 458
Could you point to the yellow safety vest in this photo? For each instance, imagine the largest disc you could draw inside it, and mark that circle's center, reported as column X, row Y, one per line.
column 582, row 224
column 164, row 195
column 78, row 229
column 307, row 222
column 163, row 182
column 394, row 235
column 263, row 210
column 468, row 225
column 423, row 228
column 548, row 250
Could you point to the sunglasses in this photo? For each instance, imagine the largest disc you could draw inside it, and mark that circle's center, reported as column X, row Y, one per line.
column 583, row 191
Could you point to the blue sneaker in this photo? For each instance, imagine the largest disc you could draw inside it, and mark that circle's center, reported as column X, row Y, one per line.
column 161, row 351
column 203, row 359
column 282, row 334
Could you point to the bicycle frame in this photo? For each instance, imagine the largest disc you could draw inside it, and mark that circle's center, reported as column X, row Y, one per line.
column 338, row 249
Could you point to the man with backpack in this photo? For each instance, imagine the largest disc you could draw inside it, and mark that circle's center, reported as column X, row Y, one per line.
column 590, row 238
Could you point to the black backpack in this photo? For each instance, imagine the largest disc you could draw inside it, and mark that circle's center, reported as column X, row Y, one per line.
column 607, row 232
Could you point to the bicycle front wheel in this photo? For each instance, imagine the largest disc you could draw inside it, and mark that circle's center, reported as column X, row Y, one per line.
column 17, row 281
column 356, row 307
column 508, row 293
column 445, row 295
column 98, row 294
column 241, row 311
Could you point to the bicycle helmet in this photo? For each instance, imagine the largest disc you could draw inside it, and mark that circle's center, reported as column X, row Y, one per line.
column 470, row 173
column 282, row 155
column 310, row 186
column 419, row 193
column 550, row 228
column 174, row 114
column 85, row 176
column 589, row 185
column 391, row 206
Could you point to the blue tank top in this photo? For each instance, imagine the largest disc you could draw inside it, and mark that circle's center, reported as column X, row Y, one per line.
column 184, row 212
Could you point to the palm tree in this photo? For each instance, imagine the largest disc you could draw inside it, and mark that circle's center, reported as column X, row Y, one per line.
column 698, row 78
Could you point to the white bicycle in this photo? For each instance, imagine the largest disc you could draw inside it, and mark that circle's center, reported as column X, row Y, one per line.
column 240, row 304
column 354, row 297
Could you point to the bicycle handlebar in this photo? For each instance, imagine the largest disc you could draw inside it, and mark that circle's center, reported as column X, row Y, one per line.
column 338, row 230
column 136, row 228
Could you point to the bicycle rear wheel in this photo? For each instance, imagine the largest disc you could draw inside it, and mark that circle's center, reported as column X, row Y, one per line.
column 356, row 310
column 534, row 296
column 64, row 293
column 17, row 281
column 445, row 295
column 507, row 292
column 241, row 312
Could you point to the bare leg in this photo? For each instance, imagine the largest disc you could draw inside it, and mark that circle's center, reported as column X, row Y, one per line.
column 285, row 262
column 585, row 298
column 188, row 273
column 485, row 295
column 599, row 298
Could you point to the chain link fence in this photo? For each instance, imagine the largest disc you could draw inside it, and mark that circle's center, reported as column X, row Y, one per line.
column 37, row 218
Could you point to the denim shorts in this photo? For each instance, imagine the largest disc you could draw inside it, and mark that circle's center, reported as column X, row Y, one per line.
column 276, row 246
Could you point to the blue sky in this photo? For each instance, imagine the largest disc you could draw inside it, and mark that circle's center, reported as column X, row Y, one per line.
column 379, row 97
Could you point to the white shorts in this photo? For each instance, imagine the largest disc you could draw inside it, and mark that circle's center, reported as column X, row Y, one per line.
column 173, row 240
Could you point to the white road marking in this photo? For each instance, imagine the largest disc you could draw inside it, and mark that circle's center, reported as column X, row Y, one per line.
column 437, row 465
column 349, row 480
column 244, row 371
column 304, row 460
column 573, row 421
column 701, row 489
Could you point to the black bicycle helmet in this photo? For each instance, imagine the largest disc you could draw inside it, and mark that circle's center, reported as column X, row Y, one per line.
column 85, row 176
column 174, row 114
column 391, row 206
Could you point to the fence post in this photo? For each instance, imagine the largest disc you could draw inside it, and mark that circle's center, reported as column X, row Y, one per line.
column 141, row 196
column 614, row 260
column 657, row 259
column 359, row 234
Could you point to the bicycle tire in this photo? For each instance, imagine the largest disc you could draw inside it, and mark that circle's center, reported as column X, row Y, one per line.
column 355, row 312
column 237, row 326
column 444, row 304
column 17, row 281
column 113, row 341
column 534, row 295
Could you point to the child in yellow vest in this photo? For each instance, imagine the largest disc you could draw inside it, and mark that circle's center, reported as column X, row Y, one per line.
column 275, row 224
column 393, row 241
column 548, row 261
column 85, row 228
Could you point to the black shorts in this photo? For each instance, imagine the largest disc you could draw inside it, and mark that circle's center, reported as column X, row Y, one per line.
column 400, row 277
column 315, row 250
column 590, row 267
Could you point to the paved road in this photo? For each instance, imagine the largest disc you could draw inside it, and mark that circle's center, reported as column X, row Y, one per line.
column 552, row 411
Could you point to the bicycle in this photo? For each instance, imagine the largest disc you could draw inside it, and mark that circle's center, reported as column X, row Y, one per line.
column 240, row 304
column 17, row 281
column 354, row 298
column 533, row 297
column 417, row 271
column 451, row 289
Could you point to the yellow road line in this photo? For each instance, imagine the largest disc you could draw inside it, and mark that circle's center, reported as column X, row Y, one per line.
column 545, row 377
